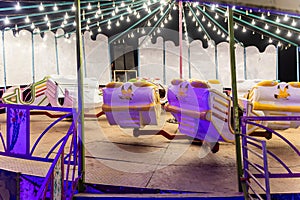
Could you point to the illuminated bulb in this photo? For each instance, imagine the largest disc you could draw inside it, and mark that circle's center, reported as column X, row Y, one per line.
column 16, row 27
column 262, row 37
column 87, row 27
column 190, row 13
column 109, row 22
column 66, row 16
column 199, row 29
column 73, row 7
column 193, row 19
column 62, row 25
column 32, row 26
column 235, row 26
column 294, row 23
column 113, row 13
column 99, row 29
column 209, row 24
column 48, row 24
column 117, row 9
column 138, row 16
column 55, row 8
column 299, row 37
column 278, row 30
column 65, row 21
column 268, row 13
column 127, row 19
column 286, row 18
column 89, row 7
column 6, row 20
column 277, row 19
column 88, row 21
column 266, row 26
column 262, row 16
column 253, row 22
column 203, row 19
column 46, row 18
column 216, row 16
column 27, row 20
column 279, row 44
column 170, row 17
column 162, row 25
column 213, row 7
column 289, row 34
column 174, row 7
column 205, row 37
column 215, row 28
column 121, row 18
column 74, row 23
column 118, row 23
column 91, row 33
column 149, row 23
column 270, row 40
column 122, row 4
column 143, row 31
column 132, row 35
column 18, row 6
column 223, row 35
column 197, row 13
column 96, row 15
column 244, row 30
column 166, row 20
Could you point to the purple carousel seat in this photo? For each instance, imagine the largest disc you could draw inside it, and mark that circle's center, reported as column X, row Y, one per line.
column 201, row 111
column 131, row 105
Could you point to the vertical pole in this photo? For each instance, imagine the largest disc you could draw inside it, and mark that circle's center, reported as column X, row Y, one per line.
column 180, row 38
column 164, row 63
column 4, row 61
column 245, row 63
column 189, row 59
column 32, row 64
column 84, row 57
column 216, row 62
column 56, row 54
column 236, row 124
column 297, row 56
column 80, row 108
column 277, row 63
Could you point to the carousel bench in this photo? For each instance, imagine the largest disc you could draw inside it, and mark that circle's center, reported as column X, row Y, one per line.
column 271, row 98
column 131, row 104
column 202, row 112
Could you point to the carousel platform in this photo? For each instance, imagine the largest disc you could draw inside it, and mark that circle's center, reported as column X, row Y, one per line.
column 117, row 163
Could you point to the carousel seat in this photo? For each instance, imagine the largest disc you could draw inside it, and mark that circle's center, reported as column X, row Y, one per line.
column 202, row 112
column 270, row 98
column 35, row 94
column 62, row 91
column 131, row 104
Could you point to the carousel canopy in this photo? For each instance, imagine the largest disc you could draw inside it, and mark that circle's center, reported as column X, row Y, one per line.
column 123, row 21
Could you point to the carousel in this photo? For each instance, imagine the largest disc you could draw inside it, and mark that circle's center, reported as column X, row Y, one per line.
column 149, row 99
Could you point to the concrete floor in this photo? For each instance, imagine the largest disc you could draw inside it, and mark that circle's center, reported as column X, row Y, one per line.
column 115, row 157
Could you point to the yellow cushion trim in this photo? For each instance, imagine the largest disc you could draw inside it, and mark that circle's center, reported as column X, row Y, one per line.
column 199, row 84
column 295, row 84
column 114, row 84
column 143, row 84
column 267, row 83
column 176, row 81
column 108, row 108
column 214, row 81
column 270, row 107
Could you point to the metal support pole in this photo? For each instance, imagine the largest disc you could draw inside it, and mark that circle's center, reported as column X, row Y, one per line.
column 236, row 124
column 180, row 39
column 80, row 108
column 297, row 56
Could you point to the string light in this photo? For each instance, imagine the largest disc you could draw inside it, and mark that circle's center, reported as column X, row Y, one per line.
column 6, row 21
column 73, row 8
column 294, row 23
column 277, row 30
column 55, row 8
column 286, row 18
column 289, row 34
column 89, row 7
column 244, row 30
column 18, row 6
column 27, row 20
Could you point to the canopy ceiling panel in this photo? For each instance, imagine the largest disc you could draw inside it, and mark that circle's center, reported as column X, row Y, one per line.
column 44, row 47
column 151, row 60
column 97, row 58
column 125, row 20
column 18, row 54
column 261, row 65
column 286, row 5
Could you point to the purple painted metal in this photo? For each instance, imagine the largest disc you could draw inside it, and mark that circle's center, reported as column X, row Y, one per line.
column 70, row 159
column 246, row 140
